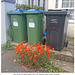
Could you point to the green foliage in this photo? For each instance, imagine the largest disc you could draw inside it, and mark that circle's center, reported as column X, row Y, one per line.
column 10, row 32
column 26, row 7
column 53, row 68
column 34, row 7
column 17, row 6
column 22, row 6
column 7, row 45
column 41, row 8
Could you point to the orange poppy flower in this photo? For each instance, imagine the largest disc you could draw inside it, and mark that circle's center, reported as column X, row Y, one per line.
column 24, row 68
column 48, row 55
column 26, row 45
column 25, row 50
column 22, row 55
column 32, row 69
column 32, row 49
column 38, row 47
column 35, row 60
column 48, row 47
column 16, row 52
column 33, row 45
column 39, row 42
column 23, row 41
column 43, row 47
column 38, row 71
column 52, row 49
column 34, row 66
column 28, row 49
column 31, row 57
column 22, row 58
column 36, row 50
column 33, row 52
column 35, row 56
column 40, row 53
column 29, row 54
column 22, row 46
column 29, row 45
column 16, row 47
column 19, row 52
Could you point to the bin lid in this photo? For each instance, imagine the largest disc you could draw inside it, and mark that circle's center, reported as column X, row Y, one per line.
column 34, row 11
column 44, row 34
column 16, row 12
column 56, row 12
column 10, row 1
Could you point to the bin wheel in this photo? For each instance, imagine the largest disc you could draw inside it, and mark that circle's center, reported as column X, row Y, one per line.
column 43, row 41
column 66, row 43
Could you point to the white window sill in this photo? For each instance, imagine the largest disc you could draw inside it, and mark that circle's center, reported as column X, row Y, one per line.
column 71, row 21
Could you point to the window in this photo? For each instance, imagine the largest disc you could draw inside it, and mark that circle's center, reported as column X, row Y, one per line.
column 43, row 4
column 56, row 6
column 66, row 4
column 38, row 2
column 28, row 2
column 71, row 14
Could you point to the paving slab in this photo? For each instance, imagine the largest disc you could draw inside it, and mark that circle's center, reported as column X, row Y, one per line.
column 67, row 66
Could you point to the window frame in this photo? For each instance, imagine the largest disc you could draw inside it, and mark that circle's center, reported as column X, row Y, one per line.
column 32, row 3
column 38, row 2
column 28, row 2
column 60, row 7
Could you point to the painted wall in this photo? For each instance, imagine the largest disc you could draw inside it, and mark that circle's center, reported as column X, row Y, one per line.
column 51, row 4
column 5, row 19
column 70, row 29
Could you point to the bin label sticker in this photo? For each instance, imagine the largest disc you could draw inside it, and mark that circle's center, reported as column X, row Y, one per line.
column 54, row 21
column 32, row 25
column 15, row 23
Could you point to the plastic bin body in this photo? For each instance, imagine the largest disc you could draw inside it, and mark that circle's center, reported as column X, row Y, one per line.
column 34, row 27
column 19, row 26
column 56, row 25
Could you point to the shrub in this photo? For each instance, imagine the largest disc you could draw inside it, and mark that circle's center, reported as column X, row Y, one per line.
column 26, row 7
column 31, row 56
column 7, row 45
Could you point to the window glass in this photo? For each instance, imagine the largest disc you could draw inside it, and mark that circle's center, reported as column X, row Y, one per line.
column 28, row 2
column 67, row 3
column 71, row 11
column 32, row 3
column 43, row 4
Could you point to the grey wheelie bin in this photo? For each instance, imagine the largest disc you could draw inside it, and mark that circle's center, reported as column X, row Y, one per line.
column 56, row 28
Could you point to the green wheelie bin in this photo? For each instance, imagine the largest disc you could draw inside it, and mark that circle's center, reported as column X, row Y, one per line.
column 19, row 25
column 34, row 26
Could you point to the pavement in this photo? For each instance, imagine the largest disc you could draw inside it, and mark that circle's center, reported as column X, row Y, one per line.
column 66, row 61
column 8, row 65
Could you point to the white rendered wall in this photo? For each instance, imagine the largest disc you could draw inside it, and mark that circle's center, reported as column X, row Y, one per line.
column 5, row 19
